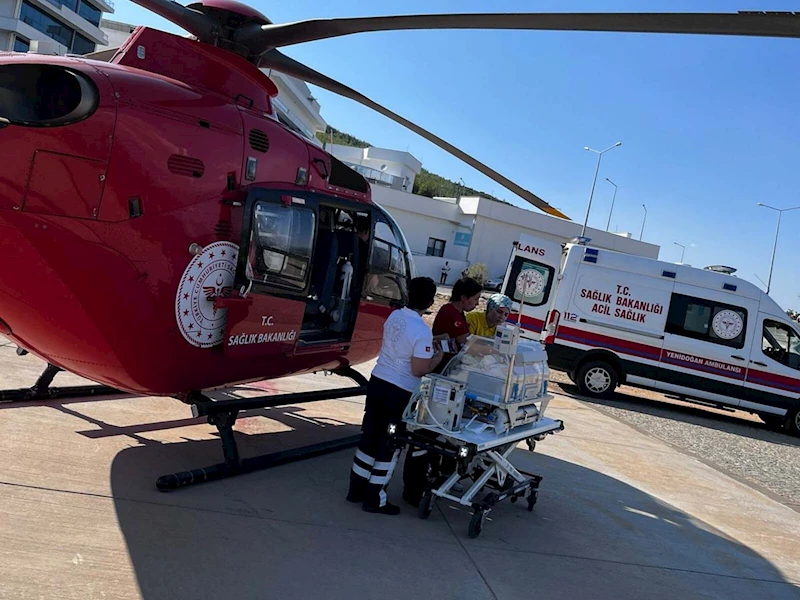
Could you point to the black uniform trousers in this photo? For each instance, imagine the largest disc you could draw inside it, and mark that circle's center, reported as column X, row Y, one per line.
column 375, row 461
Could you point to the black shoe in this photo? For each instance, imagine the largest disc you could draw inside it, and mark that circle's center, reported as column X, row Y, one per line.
column 387, row 509
column 412, row 500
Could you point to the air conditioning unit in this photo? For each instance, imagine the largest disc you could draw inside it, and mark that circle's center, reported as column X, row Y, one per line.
column 49, row 47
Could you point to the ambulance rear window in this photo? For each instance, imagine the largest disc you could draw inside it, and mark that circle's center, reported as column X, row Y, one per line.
column 707, row 320
column 539, row 280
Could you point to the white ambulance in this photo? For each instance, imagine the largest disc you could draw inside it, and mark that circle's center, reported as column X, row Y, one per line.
column 609, row 318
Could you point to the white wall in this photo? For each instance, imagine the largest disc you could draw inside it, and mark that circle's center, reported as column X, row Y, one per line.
column 431, row 266
column 496, row 227
column 422, row 218
column 561, row 228
column 8, row 8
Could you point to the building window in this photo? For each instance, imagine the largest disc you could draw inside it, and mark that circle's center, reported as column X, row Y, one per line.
column 46, row 24
column 21, row 45
column 90, row 13
column 781, row 343
column 280, row 245
column 435, row 247
column 70, row 4
column 539, row 281
column 82, row 45
column 707, row 320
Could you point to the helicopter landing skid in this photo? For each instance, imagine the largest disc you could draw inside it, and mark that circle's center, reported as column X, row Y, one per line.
column 41, row 390
column 223, row 415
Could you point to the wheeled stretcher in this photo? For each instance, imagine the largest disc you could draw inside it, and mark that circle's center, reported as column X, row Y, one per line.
column 484, row 461
column 489, row 398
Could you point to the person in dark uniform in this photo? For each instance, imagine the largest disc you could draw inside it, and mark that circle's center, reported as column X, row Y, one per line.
column 450, row 322
column 407, row 353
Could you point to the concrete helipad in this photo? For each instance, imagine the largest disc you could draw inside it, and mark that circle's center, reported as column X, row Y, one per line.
column 620, row 514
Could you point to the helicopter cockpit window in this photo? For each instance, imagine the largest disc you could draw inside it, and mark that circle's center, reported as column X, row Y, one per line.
column 281, row 242
column 45, row 95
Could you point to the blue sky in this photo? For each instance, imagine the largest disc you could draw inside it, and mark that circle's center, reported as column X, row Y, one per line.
column 709, row 125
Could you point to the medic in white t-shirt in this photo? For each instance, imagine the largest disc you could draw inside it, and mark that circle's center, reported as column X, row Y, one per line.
column 407, row 353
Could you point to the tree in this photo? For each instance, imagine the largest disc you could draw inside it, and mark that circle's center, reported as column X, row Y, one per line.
column 478, row 272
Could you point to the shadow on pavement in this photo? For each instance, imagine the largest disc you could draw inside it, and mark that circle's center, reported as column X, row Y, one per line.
column 696, row 415
column 288, row 533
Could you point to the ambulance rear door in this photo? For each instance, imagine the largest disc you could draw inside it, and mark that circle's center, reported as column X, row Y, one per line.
column 616, row 305
column 538, row 259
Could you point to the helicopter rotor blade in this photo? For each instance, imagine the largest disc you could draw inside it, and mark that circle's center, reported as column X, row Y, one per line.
column 260, row 38
column 274, row 59
column 196, row 23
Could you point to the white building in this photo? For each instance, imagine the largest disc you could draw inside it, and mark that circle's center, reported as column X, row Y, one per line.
column 392, row 168
column 467, row 230
column 296, row 106
column 116, row 33
column 52, row 26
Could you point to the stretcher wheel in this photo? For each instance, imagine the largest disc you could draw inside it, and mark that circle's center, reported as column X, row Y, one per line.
column 425, row 506
column 476, row 523
column 531, row 444
column 532, row 498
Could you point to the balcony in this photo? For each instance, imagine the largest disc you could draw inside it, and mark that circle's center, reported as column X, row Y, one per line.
column 376, row 176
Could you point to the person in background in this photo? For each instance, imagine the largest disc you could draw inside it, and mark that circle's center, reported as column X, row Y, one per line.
column 445, row 271
column 451, row 320
column 484, row 323
column 407, row 353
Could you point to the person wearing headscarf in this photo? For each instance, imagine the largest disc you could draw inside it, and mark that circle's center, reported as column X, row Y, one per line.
column 484, row 323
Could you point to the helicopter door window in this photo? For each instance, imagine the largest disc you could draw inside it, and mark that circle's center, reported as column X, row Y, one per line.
column 388, row 266
column 281, row 241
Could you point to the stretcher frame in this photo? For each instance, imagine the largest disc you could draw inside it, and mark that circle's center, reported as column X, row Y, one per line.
column 484, row 454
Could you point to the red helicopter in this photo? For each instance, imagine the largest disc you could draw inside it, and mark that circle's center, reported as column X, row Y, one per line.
column 163, row 233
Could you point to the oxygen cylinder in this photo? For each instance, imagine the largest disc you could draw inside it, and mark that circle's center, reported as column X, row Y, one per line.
column 346, row 278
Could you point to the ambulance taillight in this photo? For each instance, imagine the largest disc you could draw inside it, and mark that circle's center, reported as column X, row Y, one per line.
column 552, row 326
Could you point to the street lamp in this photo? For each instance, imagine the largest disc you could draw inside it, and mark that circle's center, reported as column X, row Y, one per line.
column 780, row 212
column 612, row 202
column 682, row 251
column 643, row 220
column 591, row 194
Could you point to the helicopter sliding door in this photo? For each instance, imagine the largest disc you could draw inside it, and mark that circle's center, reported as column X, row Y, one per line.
column 337, row 272
column 272, row 276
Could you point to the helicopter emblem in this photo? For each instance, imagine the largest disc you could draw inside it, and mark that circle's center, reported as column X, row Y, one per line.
column 208, row 276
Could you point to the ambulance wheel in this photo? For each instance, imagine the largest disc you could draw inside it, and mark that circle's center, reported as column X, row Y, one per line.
column 476, row 523
column 425, row 506
column 793, row 421
column 596, row 378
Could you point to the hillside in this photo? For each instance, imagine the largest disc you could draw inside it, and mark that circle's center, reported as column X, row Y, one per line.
column 426, row 183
